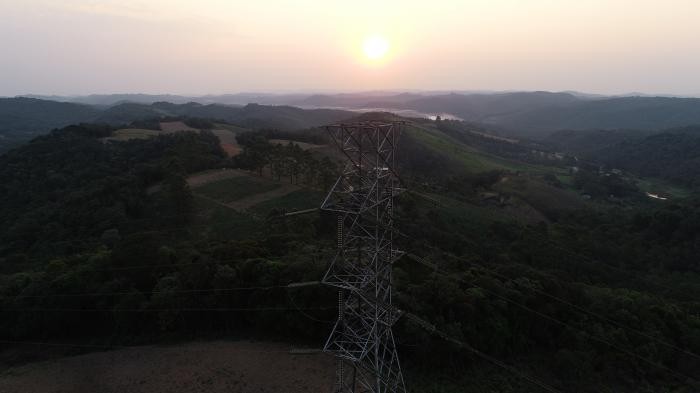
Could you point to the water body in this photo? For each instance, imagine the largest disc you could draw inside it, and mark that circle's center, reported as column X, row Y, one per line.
column 400, row 112
column 656, row 196
column 410, row 113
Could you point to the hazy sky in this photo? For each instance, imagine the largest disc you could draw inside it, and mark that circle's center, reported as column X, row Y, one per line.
column 221, row 46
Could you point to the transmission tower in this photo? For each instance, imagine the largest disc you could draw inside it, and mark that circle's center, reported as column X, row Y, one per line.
column 363, row 200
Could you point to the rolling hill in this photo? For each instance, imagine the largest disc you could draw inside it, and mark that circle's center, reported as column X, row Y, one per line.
column 642, row 113
column 21, row 119
column 249, row 116
column 534, row 114
column 522, row 114
column 512, row 248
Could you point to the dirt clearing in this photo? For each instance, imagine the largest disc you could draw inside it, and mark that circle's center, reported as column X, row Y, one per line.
column 228, row 142
column 212, row 367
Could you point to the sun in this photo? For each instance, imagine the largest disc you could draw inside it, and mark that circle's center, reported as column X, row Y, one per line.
column 375, row 47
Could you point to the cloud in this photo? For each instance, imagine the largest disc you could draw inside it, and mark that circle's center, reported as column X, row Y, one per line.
column 120, row 9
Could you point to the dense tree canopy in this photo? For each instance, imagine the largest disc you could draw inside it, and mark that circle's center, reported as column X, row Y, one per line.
column 105, row 240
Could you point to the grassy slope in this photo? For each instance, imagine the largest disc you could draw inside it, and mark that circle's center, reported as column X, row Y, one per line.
column 662, row 187
column 217, row 219
column 473, row 160
column 236, row 188
column 231, row 127
column 297, row 200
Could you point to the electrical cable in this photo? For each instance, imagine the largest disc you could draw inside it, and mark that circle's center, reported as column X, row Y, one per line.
column 677, row 374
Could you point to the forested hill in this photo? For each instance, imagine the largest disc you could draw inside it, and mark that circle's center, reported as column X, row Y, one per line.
column 643, row 113
column 538, row 114
column 61, row 191
column 119, row 242
column 523, row 114
column 672, row 155
column 21, row 119
column 251, row 115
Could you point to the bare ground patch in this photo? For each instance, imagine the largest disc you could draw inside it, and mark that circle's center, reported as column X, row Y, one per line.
column 213, row 367
column 228, row 142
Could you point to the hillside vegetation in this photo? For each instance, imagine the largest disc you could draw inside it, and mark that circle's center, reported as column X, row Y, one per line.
column 127, row 242
column 519, row 114
column 672, row 155
column 22, row 119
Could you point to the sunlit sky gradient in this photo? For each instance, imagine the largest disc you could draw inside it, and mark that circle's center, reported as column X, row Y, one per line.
column 224, row 46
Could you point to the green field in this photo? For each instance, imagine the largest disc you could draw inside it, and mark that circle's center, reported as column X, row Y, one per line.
column 231, row 127
column 444, row 144
column 222, row 222
column 468, row 214
column 236, row 188
column 472, row 160
column 663, row 188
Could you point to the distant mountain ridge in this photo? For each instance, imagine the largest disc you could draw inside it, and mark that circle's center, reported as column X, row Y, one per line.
column 536, row 114
column 642, row 113
column 523, row 114
column 672, row 154
column 251, row 115
column 530, row 115
column 22, row 119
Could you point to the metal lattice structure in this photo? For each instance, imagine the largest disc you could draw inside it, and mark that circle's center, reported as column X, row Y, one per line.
column 363, row 199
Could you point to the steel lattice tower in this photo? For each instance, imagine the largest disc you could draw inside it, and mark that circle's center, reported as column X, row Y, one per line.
column 363, row 199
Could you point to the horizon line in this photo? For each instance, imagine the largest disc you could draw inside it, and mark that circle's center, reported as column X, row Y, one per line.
column 311, row 92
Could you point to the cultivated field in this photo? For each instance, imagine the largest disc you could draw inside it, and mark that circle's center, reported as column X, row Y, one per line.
column 212, row 367
column 225, row 132
column 241, row 190
column 228, row 141
column 169, row 127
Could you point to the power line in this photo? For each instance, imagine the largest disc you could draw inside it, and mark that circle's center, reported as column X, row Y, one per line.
column 204, row 290
column 92, row 346
column 577, row 307
column 302, row 312
column 599, row 262
column 110, row 346
column 575, row 254
column 677, row 374
column 166, row 265
column 584, row 310
column 145, row 310
column 433, row 329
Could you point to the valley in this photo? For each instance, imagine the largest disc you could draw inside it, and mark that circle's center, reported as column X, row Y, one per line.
column 179, row 226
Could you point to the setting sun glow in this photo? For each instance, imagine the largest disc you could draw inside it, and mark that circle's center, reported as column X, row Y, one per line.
column 375, row 47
